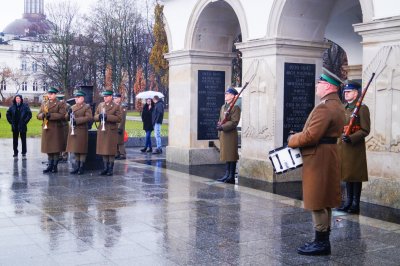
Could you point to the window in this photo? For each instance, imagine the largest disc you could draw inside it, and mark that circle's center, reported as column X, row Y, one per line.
column 23, row 65
column 34, row 66
column 24, row 86
column 35, row 86
column 44, row 87
column 3, row 85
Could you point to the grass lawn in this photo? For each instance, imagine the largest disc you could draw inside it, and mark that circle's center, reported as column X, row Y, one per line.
column 134, row 128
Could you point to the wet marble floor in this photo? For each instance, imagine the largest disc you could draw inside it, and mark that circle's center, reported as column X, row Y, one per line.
column 149, row 214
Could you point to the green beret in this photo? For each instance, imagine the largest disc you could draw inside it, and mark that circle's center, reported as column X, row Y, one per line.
column 107, row 93
column 53, row 90
column 79, row 93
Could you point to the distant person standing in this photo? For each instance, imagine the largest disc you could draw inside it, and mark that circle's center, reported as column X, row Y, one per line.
column 352, row 149
column 109, row 115
column 157, row 119
column 147, row 113
column 18, row 115
column 52, row 112
column 121, row 151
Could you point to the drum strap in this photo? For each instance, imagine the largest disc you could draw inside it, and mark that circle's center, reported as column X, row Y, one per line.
column 327, row 140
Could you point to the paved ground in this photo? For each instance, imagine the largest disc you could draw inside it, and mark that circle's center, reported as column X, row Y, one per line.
column 149, row 215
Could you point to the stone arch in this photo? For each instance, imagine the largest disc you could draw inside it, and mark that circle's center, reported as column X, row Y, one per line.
column 199, row 15
column 315, row 7
column 168, row 33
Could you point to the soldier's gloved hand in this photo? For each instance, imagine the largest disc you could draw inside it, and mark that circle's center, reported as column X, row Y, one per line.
column 346, row 139
column 70, row 111
column 219, row 128
column 74, row 123
column 119, row 131
column 101, row 117
column 48, row 115
column 105, row 117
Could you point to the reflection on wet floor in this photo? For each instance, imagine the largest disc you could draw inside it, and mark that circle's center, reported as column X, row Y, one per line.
column 150, row 213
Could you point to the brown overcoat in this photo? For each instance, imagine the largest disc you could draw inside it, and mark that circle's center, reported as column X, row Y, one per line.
column 121, row 125
column 353, row 155
column 53, row 140
column 78, row 143
column 321, row 170
column 229, row 136
column 107, row 140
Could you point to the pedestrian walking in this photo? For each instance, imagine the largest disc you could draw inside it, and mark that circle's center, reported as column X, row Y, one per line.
column 52, row 112
column 146, row 115
column 321, row 171
column 352, row 149
column 109, row 115
column 157, row 119
column 228, row 136
column 79, row 115
column 18, row 115
column 121, row 151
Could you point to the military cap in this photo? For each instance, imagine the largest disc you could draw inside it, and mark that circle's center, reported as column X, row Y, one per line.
column 60, row 96
column 350, row 85
column 79, row 93
column 330, row 77
column 231, row 90
column 52, row 90
column 117, row 95
column 107, row 93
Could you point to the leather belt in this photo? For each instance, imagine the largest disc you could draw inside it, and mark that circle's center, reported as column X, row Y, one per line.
column 327, row 140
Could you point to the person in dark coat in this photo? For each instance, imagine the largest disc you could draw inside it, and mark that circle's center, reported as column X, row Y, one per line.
column 147, row 124
column 321, row 170
column 18, row 115
column 109, row 115
column 228, row 136
column 81, row 115
column 157, row 119
column 352, row 149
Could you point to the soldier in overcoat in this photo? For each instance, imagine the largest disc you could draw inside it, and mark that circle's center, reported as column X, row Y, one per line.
column 79, row 115
column 321, row 172
column 109, row 113
column 121, row 152
column 64, row 155
column 228, row 136
column 352, row 149
column 52, row 112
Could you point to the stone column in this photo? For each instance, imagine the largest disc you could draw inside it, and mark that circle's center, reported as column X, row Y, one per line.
column 381, row 55
column 183, row 145
column 262, row 102
column 354, row 72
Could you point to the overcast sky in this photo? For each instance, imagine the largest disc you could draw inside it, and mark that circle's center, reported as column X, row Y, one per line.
column 12, row 10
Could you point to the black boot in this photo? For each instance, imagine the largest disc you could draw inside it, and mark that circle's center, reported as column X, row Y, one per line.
column 76, row 169
column 355, row 207
column 320, row 246
column 81, row 170
column 227, row 169
column 55, row 169
column 232, row 172
column 144, row 149
column 49, row 166
column 150, row 149
column 105, row 170
column 110, row 169
column 349, row 198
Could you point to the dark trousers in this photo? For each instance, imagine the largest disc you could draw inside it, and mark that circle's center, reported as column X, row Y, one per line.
column 148, row 139
column 15, row 141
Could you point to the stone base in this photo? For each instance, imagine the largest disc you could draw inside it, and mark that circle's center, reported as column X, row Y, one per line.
column 252, row 168
column 199, row 156
column 382, row 191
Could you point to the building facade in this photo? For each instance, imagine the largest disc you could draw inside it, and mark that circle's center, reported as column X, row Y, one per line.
column 282, row 42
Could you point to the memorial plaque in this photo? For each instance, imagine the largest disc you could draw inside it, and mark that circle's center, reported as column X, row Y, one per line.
column 211, row 96
column 299, row 96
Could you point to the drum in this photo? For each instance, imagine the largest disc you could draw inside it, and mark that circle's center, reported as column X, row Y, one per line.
column 285, row 158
